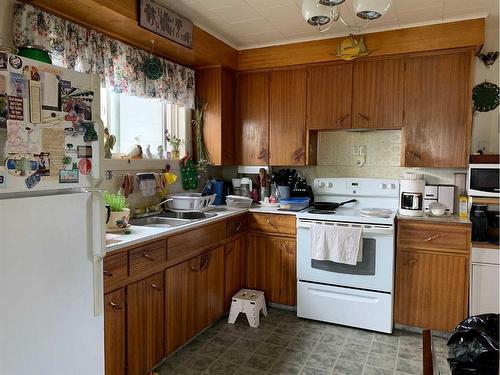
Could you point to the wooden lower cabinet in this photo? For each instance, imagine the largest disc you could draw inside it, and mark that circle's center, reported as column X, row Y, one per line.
column 194, row 297
column 115, row 332
column 235, row 265
column 145, row 319
column 271, row 267
column 431, row 275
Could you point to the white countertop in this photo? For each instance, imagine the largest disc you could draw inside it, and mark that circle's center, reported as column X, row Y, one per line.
column 143, row 233
column 451, row 219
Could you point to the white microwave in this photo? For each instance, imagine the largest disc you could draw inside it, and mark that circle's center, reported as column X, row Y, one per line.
column 483, row 180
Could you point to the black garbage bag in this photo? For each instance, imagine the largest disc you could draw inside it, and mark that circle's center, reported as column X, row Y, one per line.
column 473, row 346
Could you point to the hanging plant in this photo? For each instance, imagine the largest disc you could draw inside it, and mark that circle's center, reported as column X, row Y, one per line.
column 202, row 157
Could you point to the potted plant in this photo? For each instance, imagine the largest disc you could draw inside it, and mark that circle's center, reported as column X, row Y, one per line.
column 175, row 142
column 117, row 211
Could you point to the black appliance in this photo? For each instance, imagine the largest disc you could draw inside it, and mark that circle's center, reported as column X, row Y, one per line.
column 479, row 219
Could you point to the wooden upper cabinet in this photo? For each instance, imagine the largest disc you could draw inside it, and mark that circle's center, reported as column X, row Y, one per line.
column 329, row 97
column 378, row 94
column 216, row 87
column 287, row 117
column 252, row 135
column 438, row 112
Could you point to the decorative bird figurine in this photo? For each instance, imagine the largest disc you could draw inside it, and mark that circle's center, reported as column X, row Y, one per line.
column 109, row 143
column 349, row 49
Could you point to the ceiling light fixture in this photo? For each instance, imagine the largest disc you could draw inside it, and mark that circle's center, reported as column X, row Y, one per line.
column 324, row 13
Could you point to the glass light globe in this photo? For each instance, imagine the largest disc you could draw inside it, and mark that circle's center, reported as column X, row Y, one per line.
column 371, row 9
column 314, row 13
column 331, row 3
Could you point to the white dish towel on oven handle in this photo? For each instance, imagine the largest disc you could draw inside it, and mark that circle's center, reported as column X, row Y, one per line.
column 340, row 244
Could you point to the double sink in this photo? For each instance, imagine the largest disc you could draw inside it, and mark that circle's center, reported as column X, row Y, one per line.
column 172, row 219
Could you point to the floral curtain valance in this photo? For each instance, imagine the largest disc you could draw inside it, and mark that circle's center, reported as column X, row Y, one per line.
column 85, row 50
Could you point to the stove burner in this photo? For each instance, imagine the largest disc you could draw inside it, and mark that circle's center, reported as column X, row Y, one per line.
column 321, row 212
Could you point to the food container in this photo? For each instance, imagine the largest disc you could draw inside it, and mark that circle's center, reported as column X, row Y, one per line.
column 294, row 204
column 190, row 201
column 236, row 201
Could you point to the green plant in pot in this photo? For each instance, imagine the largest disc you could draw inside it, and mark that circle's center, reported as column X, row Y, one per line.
column 117, row 211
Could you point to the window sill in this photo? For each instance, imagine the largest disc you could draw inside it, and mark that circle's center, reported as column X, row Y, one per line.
column 138, row 164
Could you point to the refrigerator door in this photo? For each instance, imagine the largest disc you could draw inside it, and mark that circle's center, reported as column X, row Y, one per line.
column 49, row 273
column 59, row 136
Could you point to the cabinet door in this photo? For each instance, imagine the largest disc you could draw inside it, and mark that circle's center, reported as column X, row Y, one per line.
column 437, row 122
column 329, row 95
column 180, row 311
column 287, row 117
column 378, row 94
column 253, row 114
column 145, row 317
column 271, row 268
column 115, row 332
column 235, row 253
column 431, row 289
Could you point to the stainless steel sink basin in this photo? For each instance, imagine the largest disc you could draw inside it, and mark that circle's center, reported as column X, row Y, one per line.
column 192, row 216
column 172, row 219
column 157, row 221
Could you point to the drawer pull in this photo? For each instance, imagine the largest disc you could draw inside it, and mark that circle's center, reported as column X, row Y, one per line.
column 428, row 239
column 115, row 305
column 413, row 155
column 341, row 120
column 412, row 261
column 238, row 227
column 155, row 286
column 272, row 224
column 147, row 256
column 107, row 273
column 203, row 264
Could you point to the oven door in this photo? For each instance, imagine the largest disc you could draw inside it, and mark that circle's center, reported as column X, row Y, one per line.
column 483, row 180
column 374, row 272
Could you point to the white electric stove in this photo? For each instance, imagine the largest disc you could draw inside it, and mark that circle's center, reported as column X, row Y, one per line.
column 360, row 295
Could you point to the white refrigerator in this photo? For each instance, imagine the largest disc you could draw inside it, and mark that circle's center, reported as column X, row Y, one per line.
column 51, row 221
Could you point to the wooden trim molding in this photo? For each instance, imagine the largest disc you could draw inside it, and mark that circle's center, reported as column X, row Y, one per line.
column 118, row 19
column 469, row 33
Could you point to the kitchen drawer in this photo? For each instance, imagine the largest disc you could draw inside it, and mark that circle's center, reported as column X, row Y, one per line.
column 183, row 244
column 443, row 237
column 273, row 223
column 237, row 225
column 114, row 270
column 147, row 257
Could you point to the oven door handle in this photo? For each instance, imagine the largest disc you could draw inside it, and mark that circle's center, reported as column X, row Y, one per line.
column 367, row 228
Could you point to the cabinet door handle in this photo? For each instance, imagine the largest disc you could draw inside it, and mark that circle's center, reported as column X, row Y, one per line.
column 204, row 263
column 413, row 155
column 340, row 121
column 263, row 154
column 364, row 117
column 238, row 225
column 107, row 273
column 298, row 154
column 412, row 261
column 428, row 239
column 155, row 286
column 115, row 305
column 272, row 224
column 147, row 256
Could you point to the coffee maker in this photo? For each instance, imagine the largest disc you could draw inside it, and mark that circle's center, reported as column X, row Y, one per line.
column 412, row 189
column 479, row 219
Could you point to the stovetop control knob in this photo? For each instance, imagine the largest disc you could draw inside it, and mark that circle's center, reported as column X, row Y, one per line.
column 322, row 185
column 383, row 186
column 330, row 185
column 393, row 186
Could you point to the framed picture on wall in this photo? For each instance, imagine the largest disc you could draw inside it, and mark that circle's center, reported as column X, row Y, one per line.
column 160, row 20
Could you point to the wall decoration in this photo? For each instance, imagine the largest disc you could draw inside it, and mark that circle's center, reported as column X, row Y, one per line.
column 17, row 85
column 350, row 48
column 22, row 138
column 35, row 101
column 3, row 61
column 489, row 58
column 43, row 164
column 32, row 180
column 21, row 165
column 68, row 176
column 159, row 19
column 31, row 73
column 15, row 108
column 3, row 111
column 486, row 97
column 15, row 61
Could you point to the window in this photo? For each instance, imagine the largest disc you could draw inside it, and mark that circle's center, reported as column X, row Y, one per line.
column 131, row 117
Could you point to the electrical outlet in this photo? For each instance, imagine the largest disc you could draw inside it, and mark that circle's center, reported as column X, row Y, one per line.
column 482, row 145
column 362, row 150
column 355, row 150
